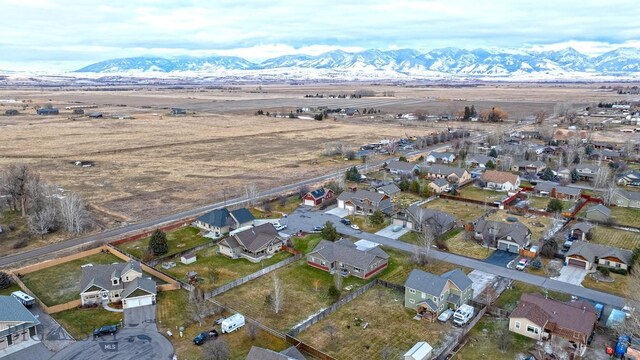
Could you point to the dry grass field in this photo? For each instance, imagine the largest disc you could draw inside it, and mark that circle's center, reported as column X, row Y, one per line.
column 614, row 237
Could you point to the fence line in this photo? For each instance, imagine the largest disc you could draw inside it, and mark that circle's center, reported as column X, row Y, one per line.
column 317, row 354
column 459, row 339
column 159, row 260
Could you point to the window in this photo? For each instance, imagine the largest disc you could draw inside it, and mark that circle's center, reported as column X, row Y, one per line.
column 435, row 299
column 618, row 265
column 411, row 301
column 412, row 291
column 517, row 324
column 424, row 296
column 116, row 295
column 533, row 329
column 441, row 297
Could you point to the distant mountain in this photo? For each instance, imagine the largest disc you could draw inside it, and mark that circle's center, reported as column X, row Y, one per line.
column 406, row 62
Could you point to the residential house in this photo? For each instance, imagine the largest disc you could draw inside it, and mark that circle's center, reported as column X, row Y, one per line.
column 258, row 353
column 48, row 111
column 535, row 166
column 439, row 185
column 511, row 237
column 629, row 178
column 389, row 190
column 221, row 221
column 598, row 213
column 317, row 196
column 440, row 157
column 95, row 115
column 479, row 160
column 605, row 154
column 347, row 258
column 116, row 282
column 351, row 111
column 363, row 202
column 431, row 294
column 78, row 111
column 556, row 191
column 451, row 174
column 402, row 167
column 254, row 244
column 17, row 324
column 587, row 172
column 624, row 198
column 420, row 351
column 563, row 136
column 501, row 180
column 585, row 255
column 417, row 218
column 541, row 318
column 579, row 231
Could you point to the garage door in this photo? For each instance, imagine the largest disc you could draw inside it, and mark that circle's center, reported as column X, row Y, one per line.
column 309, row 202
column 577, row 263
column 502, row 246
column 131, row 303
column 514, row 249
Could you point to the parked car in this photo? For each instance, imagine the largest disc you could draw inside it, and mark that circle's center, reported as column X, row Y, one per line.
column 280, row 227
column 355, row 227
column 107, row 329
column 396, row 228
column 446, row 315
column 346, row 221
column 204, row 336
column 522, row 264
column 318, row 228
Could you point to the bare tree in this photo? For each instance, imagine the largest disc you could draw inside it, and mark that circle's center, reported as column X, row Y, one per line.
column 337, row 279
column 609, row 193
column 216, row 350
column 252, row 330
column 316, row 284
column 386, row 353
column 546, row 133
column 42, row 221
column 331, row 330
column 540, row 115
column 74, row 216
column 14, row 183
column 393, row 147
column 42, row 206
column 198, row 308
column 278, row 295
column 602, row 177
column 251, row 194
column 503, row 337
column 426, row 239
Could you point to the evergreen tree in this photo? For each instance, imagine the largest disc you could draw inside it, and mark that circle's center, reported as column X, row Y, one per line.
column 576, row 159
column 353, row 174
column 467, row 113
column 473, row 111
column 574, row 175
column 588, row 150
column 547, row 174
column 329, row 232
column 377, row 217
column 554, row 205
column 158, row 244
column 414, row 187
column 403, row 158
column 493, row 153
column 403, row 185
column 5, row 280
column 490, row 165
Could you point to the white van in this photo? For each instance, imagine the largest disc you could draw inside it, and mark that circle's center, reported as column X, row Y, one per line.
column 232, row 323
column 24, row 298
column 463, row 315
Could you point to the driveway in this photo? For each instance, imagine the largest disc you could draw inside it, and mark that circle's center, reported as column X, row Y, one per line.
column 572, row 275
column 501, row 258
column 336, row 211
column 388, row 232
column 305, row 219
column 34, row 352
column 141, row 317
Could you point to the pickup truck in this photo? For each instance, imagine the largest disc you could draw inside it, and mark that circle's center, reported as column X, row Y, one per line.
column 204, row 336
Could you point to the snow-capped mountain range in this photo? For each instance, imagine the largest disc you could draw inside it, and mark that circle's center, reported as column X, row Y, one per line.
column 401, row 63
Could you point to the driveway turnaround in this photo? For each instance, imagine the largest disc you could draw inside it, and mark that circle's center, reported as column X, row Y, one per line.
column 572, row 275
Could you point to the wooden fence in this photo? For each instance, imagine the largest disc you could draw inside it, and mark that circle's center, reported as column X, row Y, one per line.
column 471, row 201
column 148, row 233
column 159, row 260
column 454, row 346
column 308, row 349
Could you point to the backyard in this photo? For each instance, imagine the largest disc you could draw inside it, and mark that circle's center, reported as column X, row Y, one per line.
column 306, row 243
column 540, row 202
column 484, row 339
column 625, row 216
column 464, row 212
column 476, row 193
column 60, row 284
column 215, row 270
column 616, row 237
column 509, row 298
column 181, row 239
column 404, row 199
column 389, row 333
column 81, row 322
column 538, row 225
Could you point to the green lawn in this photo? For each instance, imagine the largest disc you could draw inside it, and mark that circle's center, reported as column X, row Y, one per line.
column 80, row 323
column 307, row 243
column 484, row 337
column 509, row 298
column 60, row 284
column 540, row 202
column 365, row 225
column 11, row 288
column 475, row 193
column 625, row 216
column 215, row 270
column 464, row 212
column 459, row 244
column 179, row 240
column 615, row 237
column 400, row 265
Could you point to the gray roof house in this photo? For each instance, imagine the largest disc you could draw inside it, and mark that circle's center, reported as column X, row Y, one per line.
column 624, row 198
column 511, row 237
column 258, row 353
column 391, row 189
column 584, row 254
column 402, row 167
column 629, row 178
column 451, row 174
column 363, row 202
column 598, row 213
column 479, row 160
column 17, row 324
column 221, row 221
column 579, row 230
column 116, row 282
column 431, row 294
column 417, row 218
column 345, row 257
column 254, row 244
column 556, row 191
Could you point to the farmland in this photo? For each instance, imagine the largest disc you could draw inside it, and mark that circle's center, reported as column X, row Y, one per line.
column 615, row 237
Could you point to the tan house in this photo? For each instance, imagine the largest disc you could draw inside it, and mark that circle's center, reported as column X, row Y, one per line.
column 17, row 324
column 501, row 180
column 585, row 255
column 116, row 283
column 451, row 174
column 254, row 244
column 364, row 202
column 439, row 186
column 540, row 318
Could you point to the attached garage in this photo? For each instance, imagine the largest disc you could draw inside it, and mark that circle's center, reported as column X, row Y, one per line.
column 140, row 292
column 309, row 202
column 510, row 247
column 571, row 261
column 137, row 301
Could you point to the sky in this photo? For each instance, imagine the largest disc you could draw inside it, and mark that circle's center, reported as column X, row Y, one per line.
column 69, row 34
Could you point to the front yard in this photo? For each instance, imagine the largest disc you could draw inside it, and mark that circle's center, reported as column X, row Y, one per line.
column 81, row 322
column 464, row 212
column 509, row 298
column 400, row 265
column 620, row 285
column 365, row 225
column 389, row 333
column 60, row 284
column 615, row 237
column 215, row 270
column 181, row 239
column 459, row 244
column 485, row 337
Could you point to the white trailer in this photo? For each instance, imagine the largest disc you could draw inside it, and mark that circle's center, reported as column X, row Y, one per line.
column 24, row 298
column 463, row 315
column 232, row 323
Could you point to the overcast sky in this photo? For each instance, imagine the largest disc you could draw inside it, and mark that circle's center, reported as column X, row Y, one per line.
column 68, row 34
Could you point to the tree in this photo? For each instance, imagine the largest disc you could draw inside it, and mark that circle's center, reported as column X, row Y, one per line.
column 216, row 350
column 602, row 177
column 403, row 158
column 404, row 185
column 493, row 153
column 251, row 194
column 414, row 187
column 576, row 158
column 252, row 330
column 377, row 217
column 426, row 239
column 331, row 330
column 386, row 353
column 74, row 216
column 353, row 174
column 329, row 232
column 604, row 271
column 14, row 180
column 554, row 205
column 454, row 189
column 333, row 293
column 547, row 174
column 503, row 337
column 574, row 175
column 198, row 308
column 302, row 191
column 337, row 279
column 158, row 244
column 278, row 295
column 549, row 248
column 5, row 280
column 589, row 150
column 467, row 113
column 540, row 115
column 490, row 165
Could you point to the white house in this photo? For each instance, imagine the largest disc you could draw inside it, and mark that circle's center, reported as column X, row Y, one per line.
column 442, row 157
column 501, row 181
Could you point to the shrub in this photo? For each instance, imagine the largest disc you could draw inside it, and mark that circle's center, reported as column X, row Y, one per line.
column 158, row 244
column 608, row 270
column 5, row 280
column 333, row 293
column 536, row 263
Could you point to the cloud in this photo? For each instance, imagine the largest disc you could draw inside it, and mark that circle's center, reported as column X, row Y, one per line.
column 72, row 31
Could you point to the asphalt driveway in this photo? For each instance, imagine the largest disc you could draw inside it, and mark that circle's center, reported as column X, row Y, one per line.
column 141, row 317
column 501, row 258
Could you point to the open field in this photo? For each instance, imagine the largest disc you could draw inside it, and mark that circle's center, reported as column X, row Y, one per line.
column 464, row 212
column 215, row 270
column 61, row 283
column 179, row 240
column 81, row 322
column 509, row 298
column 483, row 341
column 615, row 237
column 390, row 326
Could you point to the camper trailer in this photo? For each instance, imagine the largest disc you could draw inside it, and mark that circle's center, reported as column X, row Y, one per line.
column 24, row 298
column 463, row 315
column 232, row 323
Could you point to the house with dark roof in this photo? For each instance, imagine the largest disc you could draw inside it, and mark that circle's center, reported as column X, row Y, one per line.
column 511, row 237
column 479, row 160
column 254, row 244
column 579, row 231
column 556, row 191
column 431, row 294
column 624, row 198
column 598, row 213
column 258, row 353
column 17, row 324
column 587, row 172
column 439, row 186
column 345, row 257
column 540, row 318
column 402, row 167
column 605, row 154
column 534, row 166
column 451, row 174
column 440, row 157
column 389, row 190
column 501, row 180
column 417, row 218
column 121, row 282
column 178, row 111
column 585, row 254
column 629, row 178
column 364, row 202
column 48, row 111
column 317, row 196
column 221, row 221
column 11, row 112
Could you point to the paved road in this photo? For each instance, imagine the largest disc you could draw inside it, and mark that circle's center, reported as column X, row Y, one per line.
column 304, row 219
